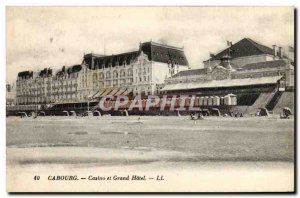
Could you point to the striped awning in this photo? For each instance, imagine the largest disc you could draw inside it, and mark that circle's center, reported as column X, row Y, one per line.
column 122, row 90
column 114, row 91
column 99, row 93
column 127, row 92
column 105, row 93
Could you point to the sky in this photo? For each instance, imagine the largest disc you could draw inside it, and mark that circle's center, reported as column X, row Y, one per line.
column 40, row 37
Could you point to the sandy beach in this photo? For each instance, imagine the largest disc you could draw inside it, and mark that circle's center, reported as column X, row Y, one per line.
column 215, row 154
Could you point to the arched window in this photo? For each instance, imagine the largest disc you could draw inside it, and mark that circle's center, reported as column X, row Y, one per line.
column 115, row 74
column 101, row 75
column 108, row 74
column 95, row 77
column 122, row 73
column 130, row 72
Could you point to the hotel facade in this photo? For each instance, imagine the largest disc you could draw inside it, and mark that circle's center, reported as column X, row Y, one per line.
column 138, row 72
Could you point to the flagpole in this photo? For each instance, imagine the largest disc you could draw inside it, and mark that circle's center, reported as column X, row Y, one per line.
column 289, row 55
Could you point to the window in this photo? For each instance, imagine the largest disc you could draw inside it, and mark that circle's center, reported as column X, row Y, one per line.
column 95, row 77
column 115, row 82
column 129, row 72
column 101, row 75
column 115, row 74
column 108, row 74
column 122, row 73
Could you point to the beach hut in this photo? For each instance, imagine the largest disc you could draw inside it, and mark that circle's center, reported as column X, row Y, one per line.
column 216, row 101
column 22, row 114
column 222, row 100
column 210, row 101
column 201, row 101
column 73, row 113
column 66, row 113
column 205, row 101
column 230, row 99
column 96, row 113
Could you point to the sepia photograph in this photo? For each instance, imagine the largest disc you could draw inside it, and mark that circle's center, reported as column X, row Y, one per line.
column 150, row 99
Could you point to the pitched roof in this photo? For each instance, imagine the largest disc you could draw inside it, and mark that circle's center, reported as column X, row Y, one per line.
column 27, row 74
column 164, row 53
column 191, row 72
column 245, row 47
column 155, row 52
column 69, row 70
column 112, row 60
column 45, row 72
column 266, row 64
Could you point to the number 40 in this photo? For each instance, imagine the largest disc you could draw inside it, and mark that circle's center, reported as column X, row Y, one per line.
column 36, row 178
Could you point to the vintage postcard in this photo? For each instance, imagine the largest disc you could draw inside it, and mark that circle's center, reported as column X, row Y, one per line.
column 150, row 99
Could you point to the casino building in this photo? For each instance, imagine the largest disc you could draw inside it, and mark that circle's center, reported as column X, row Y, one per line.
column 259, row 77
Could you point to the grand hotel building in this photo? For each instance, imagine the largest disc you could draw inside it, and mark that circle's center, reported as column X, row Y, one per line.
column 131, row 73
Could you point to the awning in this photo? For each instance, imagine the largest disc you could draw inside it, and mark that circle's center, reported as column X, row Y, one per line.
column 127, row 92
column 93, row 95
column 105, row 92
column 223, row 83
column 122, row 90
column 99, row 93
column 114, row 91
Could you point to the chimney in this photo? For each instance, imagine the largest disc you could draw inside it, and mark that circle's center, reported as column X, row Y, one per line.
column 280, row 52
column 275, row 51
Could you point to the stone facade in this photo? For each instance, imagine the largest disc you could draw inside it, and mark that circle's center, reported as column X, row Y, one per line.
column 139, row 72
column 10, row 94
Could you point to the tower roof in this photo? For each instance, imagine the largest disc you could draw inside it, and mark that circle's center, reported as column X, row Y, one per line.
column 164, row 53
